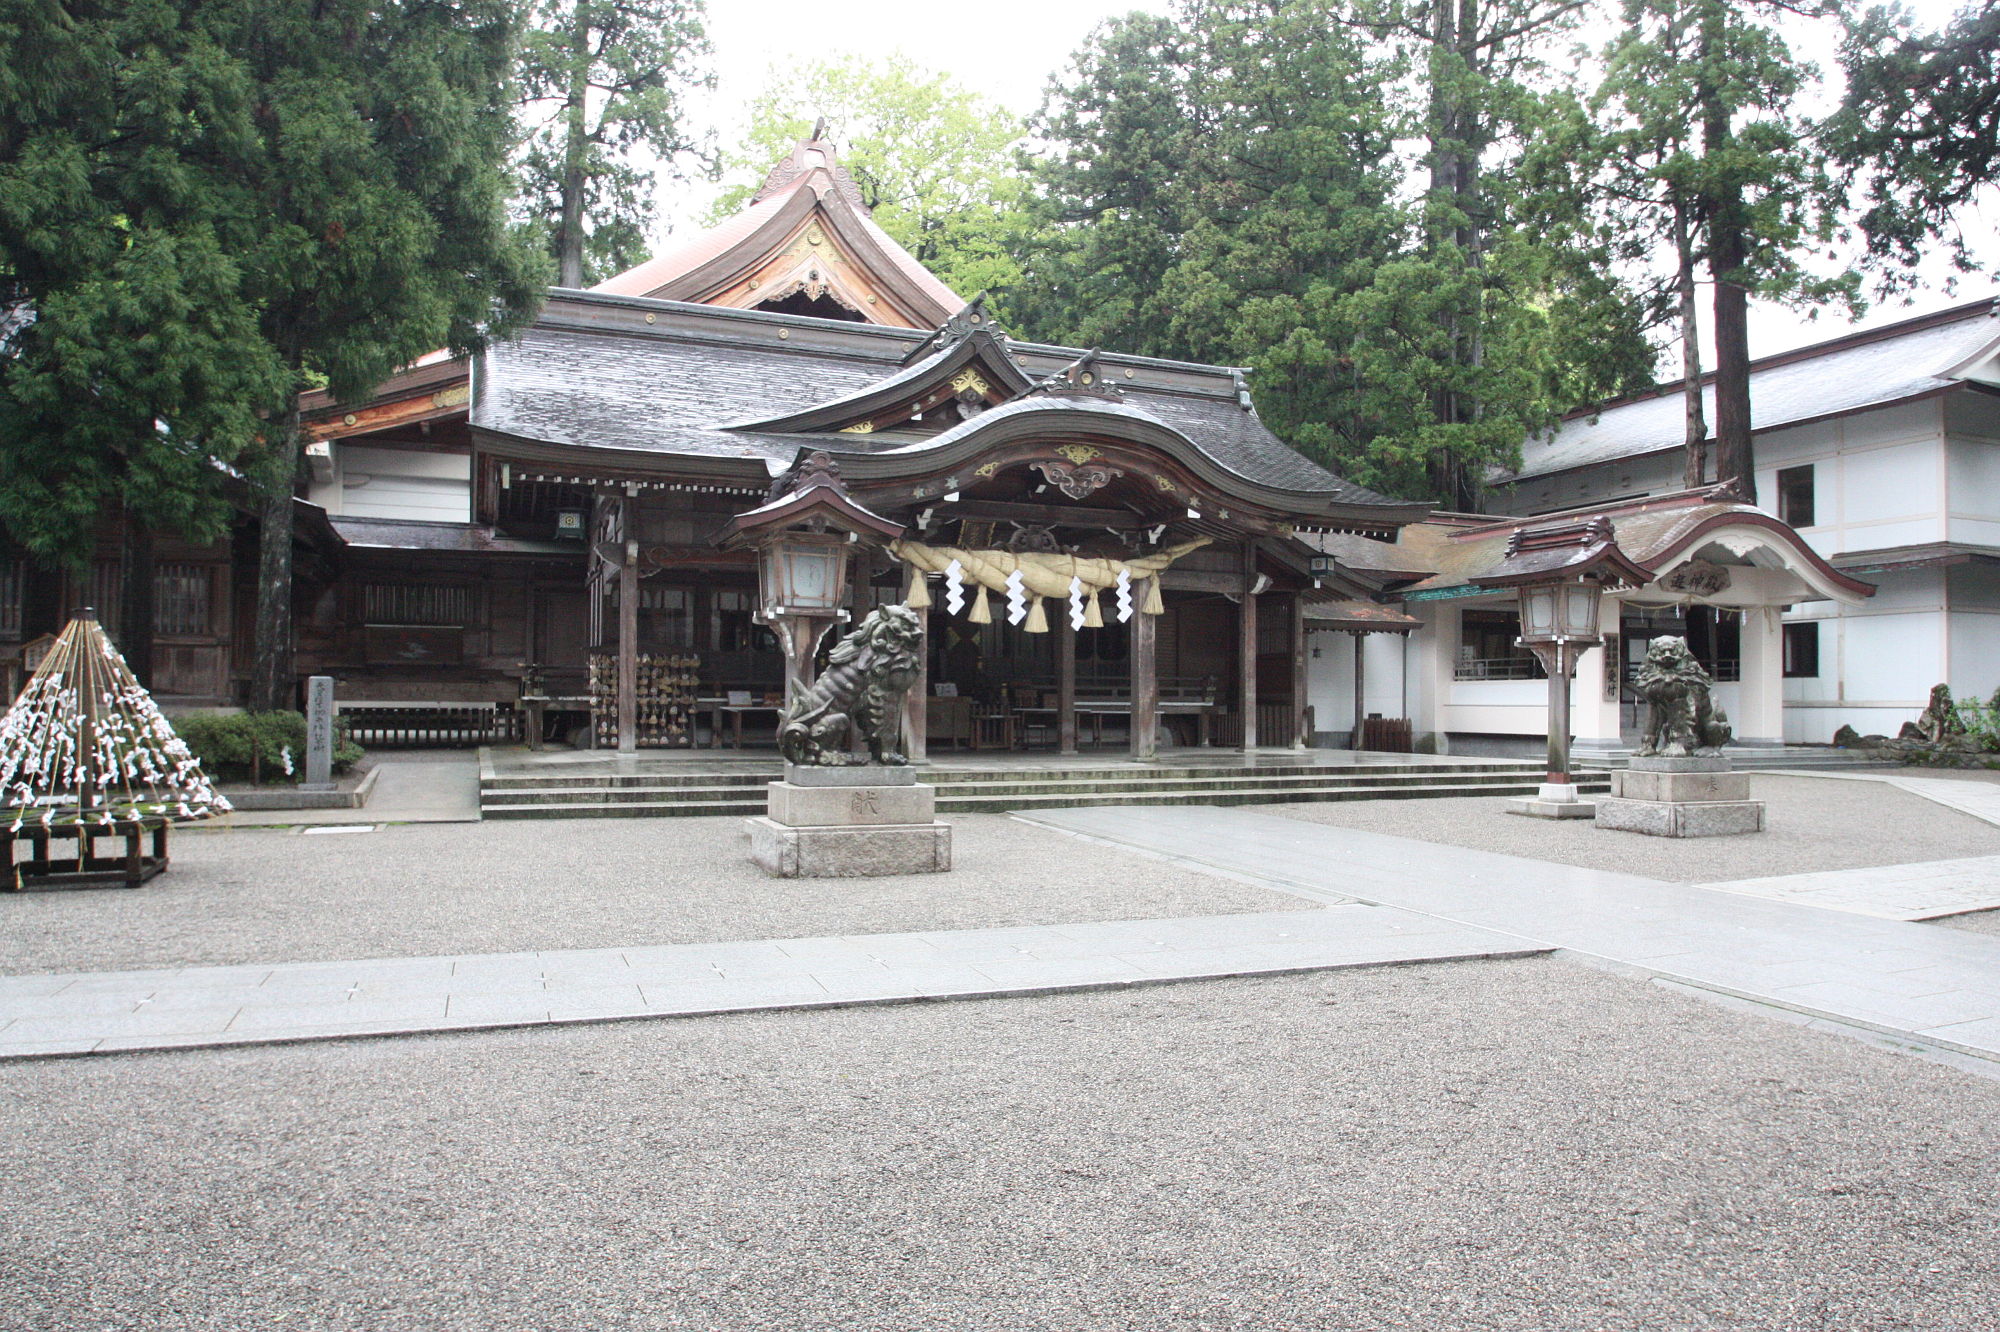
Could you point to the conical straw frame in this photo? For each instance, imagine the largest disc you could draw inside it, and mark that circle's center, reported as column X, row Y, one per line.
column 85, row 741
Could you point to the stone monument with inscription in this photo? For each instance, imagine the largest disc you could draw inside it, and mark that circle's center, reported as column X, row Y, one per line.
column 319, row 734
column 850, row 803
column 1680, row 784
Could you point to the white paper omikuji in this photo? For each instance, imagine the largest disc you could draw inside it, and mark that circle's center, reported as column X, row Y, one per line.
column 1124, row 595
column 1075, row 602
column 954, row 587
column 84, row 727
column 1017, row 598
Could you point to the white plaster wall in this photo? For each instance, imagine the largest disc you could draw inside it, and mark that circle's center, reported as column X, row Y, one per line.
column 1975, row 654
column 397, row 483
column 1972, row 445
column 1878, row 660
column 1330, row 678
column 1972, row 592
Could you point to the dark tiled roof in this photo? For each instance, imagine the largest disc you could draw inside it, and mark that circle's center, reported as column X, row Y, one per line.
column 1863, row 370
column 654, row 393
column 416, row 534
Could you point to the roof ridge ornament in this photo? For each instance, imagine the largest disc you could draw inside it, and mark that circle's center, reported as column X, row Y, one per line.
column 1081, row 378
column 807, row 155
column 1580, row 534
column 972, row 317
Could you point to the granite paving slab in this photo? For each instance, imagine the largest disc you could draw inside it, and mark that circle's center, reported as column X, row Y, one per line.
column 1907, row 980
column 211, row 1006
column 1923, row 891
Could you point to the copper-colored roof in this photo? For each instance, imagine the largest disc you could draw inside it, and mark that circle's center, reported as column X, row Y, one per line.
column 732, row 263
column 1355, row 616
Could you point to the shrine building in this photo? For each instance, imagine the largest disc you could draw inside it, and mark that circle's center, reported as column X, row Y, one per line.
column 637, row 523
column 1091, row 534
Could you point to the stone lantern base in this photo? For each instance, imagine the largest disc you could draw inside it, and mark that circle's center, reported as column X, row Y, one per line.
column 837, row 823
column 1681, row 797
column 1556, row 800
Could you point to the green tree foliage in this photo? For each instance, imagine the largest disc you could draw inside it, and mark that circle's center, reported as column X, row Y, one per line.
column 1921, row 123
column 376, row 181
column 1227, row 184
column 934, row 161
column 134, row 369
column 1699, row 149
column 209, row 208
column 605, row 85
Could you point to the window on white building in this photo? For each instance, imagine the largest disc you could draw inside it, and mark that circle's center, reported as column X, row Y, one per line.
column 1802, row 650
column 1795, row 495
column 1488, row 650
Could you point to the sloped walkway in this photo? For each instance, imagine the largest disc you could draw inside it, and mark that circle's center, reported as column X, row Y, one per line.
column 205, row 1006
column 1919, row 982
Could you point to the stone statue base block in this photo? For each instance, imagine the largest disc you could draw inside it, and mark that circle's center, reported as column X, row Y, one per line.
column 1537, row 808
column 1681, row 818
column 863, row 774
column 799, row 806
column 1670, row 785
column 849, row 852
column 1692, row 763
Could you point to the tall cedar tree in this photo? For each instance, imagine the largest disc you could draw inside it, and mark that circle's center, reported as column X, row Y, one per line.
column 1709, row 88
column 1921, row 123
column 605, row 84
column 1226, row 185
column 1473, row 60
column 1614, row 166
column 131, row 368
column 933, row 160
column 377, row 180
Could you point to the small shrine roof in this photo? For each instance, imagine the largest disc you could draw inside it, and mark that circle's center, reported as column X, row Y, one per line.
column 1458, row 553
column 423, row 534
column 1354, row 616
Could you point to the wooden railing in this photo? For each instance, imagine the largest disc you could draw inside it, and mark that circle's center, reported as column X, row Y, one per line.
column 421, row 725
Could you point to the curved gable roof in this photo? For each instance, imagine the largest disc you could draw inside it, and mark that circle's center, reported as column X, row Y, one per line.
column 806, row 229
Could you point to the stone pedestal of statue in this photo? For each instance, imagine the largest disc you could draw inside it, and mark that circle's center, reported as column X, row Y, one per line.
column 849, row 822
column 1702, row 796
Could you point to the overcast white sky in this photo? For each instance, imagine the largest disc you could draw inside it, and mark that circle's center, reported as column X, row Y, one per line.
column 1009, row 52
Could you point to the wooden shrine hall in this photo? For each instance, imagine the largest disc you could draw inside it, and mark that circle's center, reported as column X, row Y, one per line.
column 1104, row 547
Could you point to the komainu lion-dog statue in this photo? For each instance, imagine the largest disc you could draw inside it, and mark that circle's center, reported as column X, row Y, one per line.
column 1682, row 718
column 859, row 699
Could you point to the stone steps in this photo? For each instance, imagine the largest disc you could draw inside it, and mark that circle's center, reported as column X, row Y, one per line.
column 1811, row 758
column 659, row 796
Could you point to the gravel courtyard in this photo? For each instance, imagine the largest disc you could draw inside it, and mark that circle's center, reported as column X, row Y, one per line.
column 1811, row 823
column 1504, row 1145
column 413, row 890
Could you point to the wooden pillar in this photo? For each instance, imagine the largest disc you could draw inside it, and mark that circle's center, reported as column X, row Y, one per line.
column 1299, row 737
column 1360, row 728
column 628, row 652
column 1145, row 678
column 1066, row 684
column 1246, row 651
column 916, row 701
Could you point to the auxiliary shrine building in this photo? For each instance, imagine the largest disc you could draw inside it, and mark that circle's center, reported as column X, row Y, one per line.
column 1108, row 549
